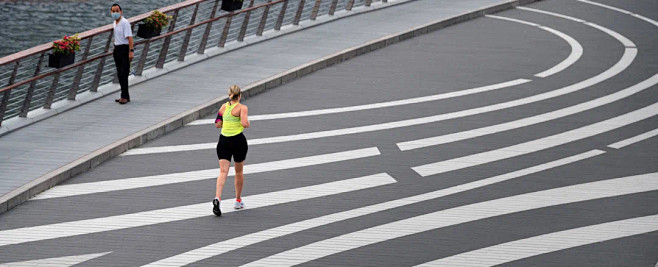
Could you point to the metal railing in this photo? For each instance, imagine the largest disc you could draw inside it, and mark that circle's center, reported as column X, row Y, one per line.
column 195, row 25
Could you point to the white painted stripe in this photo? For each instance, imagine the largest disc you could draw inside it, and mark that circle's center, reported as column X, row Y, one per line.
column 538, row 144
column 635, row 139
column 551, row 13
column 89, row 226
column 464, row 135
column 56, row 262
column 250, row 239
column 172, row 178
column 378, row 105
column 576, row 48
column 625, row 61
column 537, row 245
column 463, row 214
column 513, row 20
column 607, row 6
column 625, row 41
column 655, row 23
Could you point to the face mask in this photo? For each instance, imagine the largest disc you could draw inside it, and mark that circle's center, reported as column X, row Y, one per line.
column 116, row 16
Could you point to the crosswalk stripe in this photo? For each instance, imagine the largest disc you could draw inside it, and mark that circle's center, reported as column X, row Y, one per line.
column 574, row 56
column 520, row 123
column 415, row 100
column 89, row 226
column 463, row 214
column 56, row 262
column 634, row 139
column 250, row 239
column 537, row 144
column 537, row 245
column 172, row 178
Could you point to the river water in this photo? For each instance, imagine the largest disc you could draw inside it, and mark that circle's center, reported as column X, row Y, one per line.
column 28, row 23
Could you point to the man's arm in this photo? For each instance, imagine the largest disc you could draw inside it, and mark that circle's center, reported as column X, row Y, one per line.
column 131, row 55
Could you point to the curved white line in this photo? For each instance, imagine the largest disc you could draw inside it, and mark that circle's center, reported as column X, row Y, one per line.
column 250, row 239
column 181, row 177
column 537, row 144
column 463, row 214
column 520, row 123
column 547, row 243
column 377, row 105
column 444, row 139
column 634, row 139
column 574, row 56
column 56, row 262
column 655, row 23
column 151, row 217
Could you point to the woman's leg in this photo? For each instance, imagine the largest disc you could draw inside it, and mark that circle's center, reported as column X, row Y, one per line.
column 224, row 165
column 239, row 179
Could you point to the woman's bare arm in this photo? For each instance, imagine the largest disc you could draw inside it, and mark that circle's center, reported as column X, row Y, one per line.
column 244, row 120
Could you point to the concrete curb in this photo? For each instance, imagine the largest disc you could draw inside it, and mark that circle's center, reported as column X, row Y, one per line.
column 95, row 158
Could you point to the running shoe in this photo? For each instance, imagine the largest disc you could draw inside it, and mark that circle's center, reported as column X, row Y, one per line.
column 215, row 207
column 239, row 205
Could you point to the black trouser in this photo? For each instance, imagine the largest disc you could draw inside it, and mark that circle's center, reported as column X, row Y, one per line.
column 122, row 61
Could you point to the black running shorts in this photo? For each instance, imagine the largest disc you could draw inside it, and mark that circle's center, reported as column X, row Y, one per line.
column 234, row 146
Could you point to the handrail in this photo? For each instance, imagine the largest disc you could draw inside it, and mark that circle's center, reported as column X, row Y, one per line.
column 89, row 33
column 84, row 62
column 89, row 79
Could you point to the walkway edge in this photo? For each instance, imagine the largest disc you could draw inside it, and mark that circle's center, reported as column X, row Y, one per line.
column 25, row 192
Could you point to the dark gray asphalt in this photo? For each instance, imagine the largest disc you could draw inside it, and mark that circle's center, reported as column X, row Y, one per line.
column 472, row 54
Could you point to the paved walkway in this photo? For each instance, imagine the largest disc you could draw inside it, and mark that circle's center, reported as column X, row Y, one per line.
column 39, row 149
column 524, row 138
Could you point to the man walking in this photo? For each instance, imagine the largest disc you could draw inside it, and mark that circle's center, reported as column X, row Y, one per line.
column 123, row 50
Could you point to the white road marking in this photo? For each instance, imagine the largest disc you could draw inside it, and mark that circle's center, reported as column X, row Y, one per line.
column 551, row 13
column 574, row 56
column 537, row 144
column 625, row 61
column 172, row 178
column 553, row 115
column 655, row 23
column 463, row 214
column 250, row 239
column 537, row 245
column 89, row 226
column 635, row 139
column 55, row 262
column 377, row 105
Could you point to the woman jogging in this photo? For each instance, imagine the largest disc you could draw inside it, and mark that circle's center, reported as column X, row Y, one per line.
column 232, row 118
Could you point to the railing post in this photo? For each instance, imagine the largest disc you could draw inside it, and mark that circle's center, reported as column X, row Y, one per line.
column 142, row 58
column 245, row 23
column 7, row 94
column 316, row 8
column 227, row 26
column 368, row 2
column 206, row 34
column 349, row 6
column 188, row 34
column 298, row 15
column 332, row 9
column 279, row 20
column 165, row 45
column 76, row 81
column 101, row 64
column 51, row 92
column 263, row 19
column 30, row 91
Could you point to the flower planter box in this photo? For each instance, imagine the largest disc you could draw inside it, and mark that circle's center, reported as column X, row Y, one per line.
column 147, row 32
column 231, row 5
column 60, row 60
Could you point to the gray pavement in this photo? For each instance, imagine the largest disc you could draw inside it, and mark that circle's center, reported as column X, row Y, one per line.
column 527, row 215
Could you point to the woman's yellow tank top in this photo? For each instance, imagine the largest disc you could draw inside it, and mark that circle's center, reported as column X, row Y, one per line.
column 231, row 125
